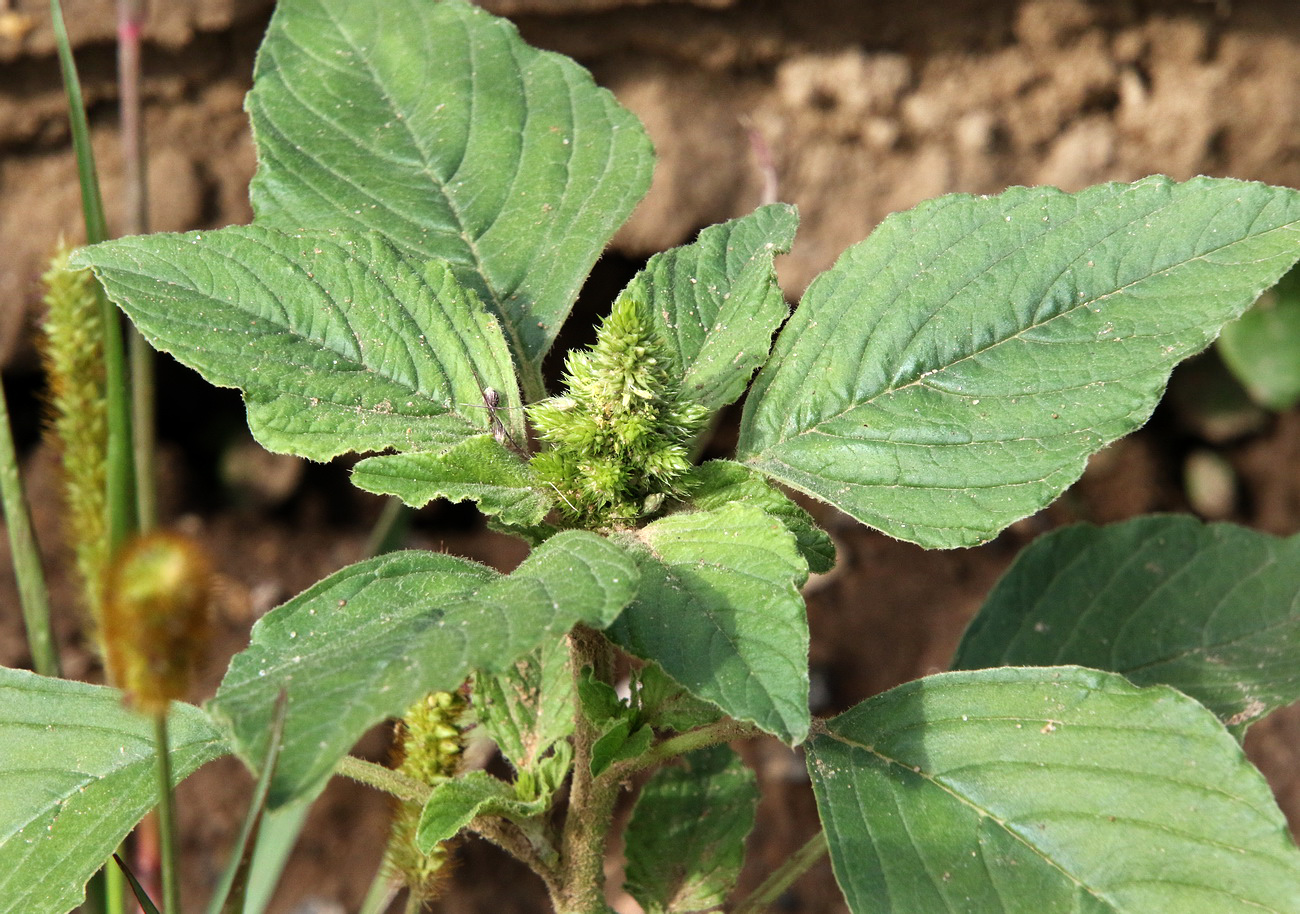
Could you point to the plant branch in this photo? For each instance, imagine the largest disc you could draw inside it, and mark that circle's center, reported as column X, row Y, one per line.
column 512, row 839
column 784, row 876
column 385, row 779
column 724, row 731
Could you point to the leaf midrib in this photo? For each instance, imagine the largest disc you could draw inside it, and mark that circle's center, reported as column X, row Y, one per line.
column 922, row 373
column 1002, row 823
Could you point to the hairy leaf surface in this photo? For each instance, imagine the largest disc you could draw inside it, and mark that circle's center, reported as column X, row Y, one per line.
column 719, row 610
column 1212, row 610
column 476, row 469
column 369, row 640
column 1047, row 791
column 339, row 342
column 437, row 126
column 720, row 482
column 79, row 771
column 952, row 373
column 716, row 304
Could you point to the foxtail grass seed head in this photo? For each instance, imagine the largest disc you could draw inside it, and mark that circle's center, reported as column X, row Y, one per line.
column 430, row 741
column 155, row 619
column 73, row 356
column 618, row 440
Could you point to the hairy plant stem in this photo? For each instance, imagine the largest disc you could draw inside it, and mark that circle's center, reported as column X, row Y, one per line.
column 383, row 778
column 591, row 800
column 784, row 876
column 510, row 838
column 167, row 818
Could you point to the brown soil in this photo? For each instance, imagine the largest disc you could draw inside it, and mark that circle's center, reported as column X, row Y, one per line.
column 852, row 110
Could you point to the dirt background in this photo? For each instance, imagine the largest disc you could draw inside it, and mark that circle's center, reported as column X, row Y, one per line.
column 850, row 110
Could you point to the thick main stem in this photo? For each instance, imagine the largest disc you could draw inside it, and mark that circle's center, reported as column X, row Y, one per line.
column 591, row 800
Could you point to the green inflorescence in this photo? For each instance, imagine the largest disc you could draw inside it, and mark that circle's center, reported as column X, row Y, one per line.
column 618, row 440
column 73, row 354
column 430, row 742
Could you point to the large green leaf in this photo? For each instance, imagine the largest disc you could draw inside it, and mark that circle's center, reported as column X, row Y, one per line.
column 716, row 303
column 1262, row 347
column 79, row 771
column 719, row 610
column 1038, row 791
column 436, row 125
column 1212, row 610
column 686, row 840
column 953, row 372
column 340, row 342
column 369, row 640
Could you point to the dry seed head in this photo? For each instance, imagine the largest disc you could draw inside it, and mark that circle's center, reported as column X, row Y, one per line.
column 155, row 618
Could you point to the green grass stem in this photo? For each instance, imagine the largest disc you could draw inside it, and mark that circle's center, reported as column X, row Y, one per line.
column 135, row 162
column 167, row 818
column 32, row 591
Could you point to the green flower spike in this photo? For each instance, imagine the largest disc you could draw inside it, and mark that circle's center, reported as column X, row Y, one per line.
column 618, row 438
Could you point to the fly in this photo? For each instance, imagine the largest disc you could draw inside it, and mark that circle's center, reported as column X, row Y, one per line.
column 492, row 403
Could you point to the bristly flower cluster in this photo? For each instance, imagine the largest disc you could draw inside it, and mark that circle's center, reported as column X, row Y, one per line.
column 428, row 748
column 73, row 354
column 619, row 437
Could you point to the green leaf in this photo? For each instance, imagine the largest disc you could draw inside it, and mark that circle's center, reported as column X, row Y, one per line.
column 665, row 705
column 369, row 640
column 716, row 304
column 622, row 733
column 686, row 840
column 721, row 482
column 528, row 708
column 477, row 469
column 619, row 740
column 719, row 610
column 454, row 804
column 1263, row 347
column 437, row 126
column 1212, row 610
column 1037, row 791
column 953, row 372
column 339, row 342
column 79, row 771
